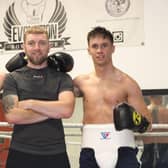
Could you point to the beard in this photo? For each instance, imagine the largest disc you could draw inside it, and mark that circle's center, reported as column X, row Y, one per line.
column 37, row 60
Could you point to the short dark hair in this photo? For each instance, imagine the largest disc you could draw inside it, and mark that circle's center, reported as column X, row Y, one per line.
column 100, row 31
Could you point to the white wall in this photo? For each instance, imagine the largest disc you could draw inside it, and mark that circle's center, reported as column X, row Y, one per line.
column 147, row 64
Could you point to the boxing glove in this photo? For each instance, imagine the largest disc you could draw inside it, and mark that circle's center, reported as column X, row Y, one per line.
column 126, row 117
column 60, row 61
column 17, row 61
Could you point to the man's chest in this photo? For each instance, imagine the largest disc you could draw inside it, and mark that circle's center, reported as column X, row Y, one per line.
column 38, row 87
column 111, row 93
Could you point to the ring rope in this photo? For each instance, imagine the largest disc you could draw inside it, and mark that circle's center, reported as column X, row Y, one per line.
column 79, row 125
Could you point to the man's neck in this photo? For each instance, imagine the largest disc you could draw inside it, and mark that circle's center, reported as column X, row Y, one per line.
column 37, row 66
column 104, row 71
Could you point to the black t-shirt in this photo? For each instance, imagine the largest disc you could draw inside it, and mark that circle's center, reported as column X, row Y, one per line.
column 46, row 137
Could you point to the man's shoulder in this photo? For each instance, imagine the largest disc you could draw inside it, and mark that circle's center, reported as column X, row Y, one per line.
column 79, row 82
column 124, row 77
column 82, row 77
column 128, row 82
column 128, row 78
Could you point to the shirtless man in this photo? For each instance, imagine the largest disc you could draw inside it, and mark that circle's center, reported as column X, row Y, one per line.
column 102, row 90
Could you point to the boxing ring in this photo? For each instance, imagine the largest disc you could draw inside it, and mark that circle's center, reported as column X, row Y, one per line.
column 7, row 134
column 73, row 135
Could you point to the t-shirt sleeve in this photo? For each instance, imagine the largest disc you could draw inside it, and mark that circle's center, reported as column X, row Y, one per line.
column 66, row 83
column 9, row 86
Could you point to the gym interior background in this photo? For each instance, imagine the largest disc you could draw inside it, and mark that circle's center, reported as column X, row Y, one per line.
column 146, row 63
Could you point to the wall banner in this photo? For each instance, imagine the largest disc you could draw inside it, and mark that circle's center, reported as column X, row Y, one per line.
column 68, row 22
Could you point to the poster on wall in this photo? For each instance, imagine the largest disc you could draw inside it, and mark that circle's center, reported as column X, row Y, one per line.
column 68, row 22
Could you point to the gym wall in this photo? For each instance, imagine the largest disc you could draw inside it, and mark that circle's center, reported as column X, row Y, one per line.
column 147, row 64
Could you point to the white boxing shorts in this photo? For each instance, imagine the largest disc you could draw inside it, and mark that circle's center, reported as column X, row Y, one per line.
column 105, row 141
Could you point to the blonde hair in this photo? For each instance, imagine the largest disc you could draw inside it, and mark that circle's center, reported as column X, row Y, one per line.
column 35, row 30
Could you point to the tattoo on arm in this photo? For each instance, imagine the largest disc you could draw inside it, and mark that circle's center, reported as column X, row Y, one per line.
column 8, row 102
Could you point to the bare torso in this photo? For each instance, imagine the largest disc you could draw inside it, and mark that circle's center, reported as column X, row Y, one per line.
column 100, row 95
